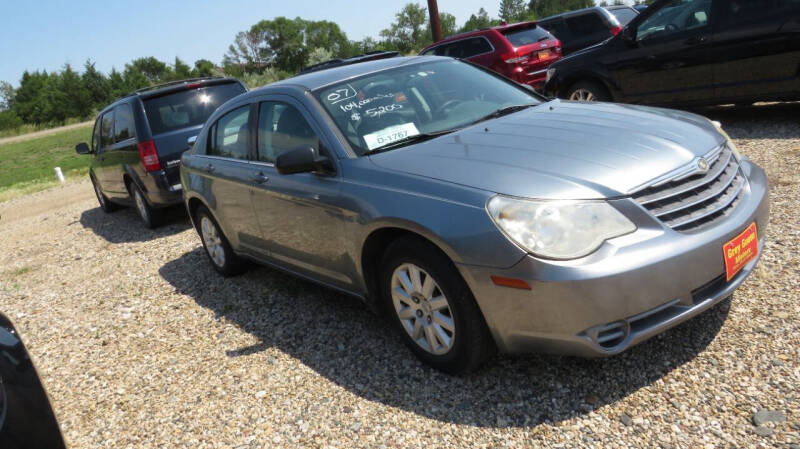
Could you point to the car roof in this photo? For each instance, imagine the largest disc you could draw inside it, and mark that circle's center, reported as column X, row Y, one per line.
column 480, row 32
column 173, row 86
column 577, row 12
column 315, row 80
column 613, row 7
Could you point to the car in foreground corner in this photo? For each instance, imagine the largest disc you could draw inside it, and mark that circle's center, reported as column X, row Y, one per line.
column 475, row 213
column 27, row 420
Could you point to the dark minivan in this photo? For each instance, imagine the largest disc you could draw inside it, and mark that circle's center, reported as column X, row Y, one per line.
column 138, row 141
column 584, row 27
column 691, row 52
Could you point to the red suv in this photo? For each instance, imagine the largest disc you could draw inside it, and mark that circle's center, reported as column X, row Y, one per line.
column 521, row 51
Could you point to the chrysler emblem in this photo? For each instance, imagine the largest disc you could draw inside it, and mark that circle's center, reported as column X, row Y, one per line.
column 702, row 165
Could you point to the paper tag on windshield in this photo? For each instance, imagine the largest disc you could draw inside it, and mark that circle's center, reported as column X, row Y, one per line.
column 389, row 135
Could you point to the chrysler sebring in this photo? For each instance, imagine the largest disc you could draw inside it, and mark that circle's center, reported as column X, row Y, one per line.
column 477, row 215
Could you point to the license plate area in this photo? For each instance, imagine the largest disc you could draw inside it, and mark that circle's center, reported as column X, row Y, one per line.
column 740, row 250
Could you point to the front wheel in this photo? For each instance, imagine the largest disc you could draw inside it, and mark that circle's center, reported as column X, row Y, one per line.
column 432, row 307
column 588, row 91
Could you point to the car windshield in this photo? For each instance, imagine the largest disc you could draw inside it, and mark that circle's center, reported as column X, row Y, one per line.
column 187, row 108
column 424, row 99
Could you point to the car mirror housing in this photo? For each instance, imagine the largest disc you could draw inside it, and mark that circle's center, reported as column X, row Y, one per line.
column 191, row 141
column 82, row 148
column 301, row 159
column 627, row 36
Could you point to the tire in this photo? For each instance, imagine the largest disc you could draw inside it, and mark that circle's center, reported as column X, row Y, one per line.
column 151, row 217
column 452, row 334
column 588, row 91
column 216, row 245
column 105, row 205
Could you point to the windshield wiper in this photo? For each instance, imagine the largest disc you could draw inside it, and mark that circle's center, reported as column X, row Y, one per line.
column 411, row 139
column 505, row 111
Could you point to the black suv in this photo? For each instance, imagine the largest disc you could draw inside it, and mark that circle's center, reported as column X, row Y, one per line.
column 138, row 141
column 584, row 27
column 691, row 52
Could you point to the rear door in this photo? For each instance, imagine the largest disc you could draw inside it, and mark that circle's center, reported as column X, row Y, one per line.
column 227, row 172
column 670, row 61
column 106, row 141
column 177, row 115
column 756, row 48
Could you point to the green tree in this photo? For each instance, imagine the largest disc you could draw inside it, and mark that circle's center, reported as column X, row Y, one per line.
column 142, row 72
column 96, row 85
column 477, row 21
column 117, row 85
column 449, row 27
column 30, row 101
column 70, row 98
column 203, row 67
column 181, row 70
column 544, row 8
column 408, row 32
column 319, row 55
column 512, row 10
column 7, row 93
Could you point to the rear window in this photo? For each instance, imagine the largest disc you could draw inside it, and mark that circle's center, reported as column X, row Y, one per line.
column 624, row 15
column 463, row 49
column 524, row 36
column 187, row 108
column 586, row 24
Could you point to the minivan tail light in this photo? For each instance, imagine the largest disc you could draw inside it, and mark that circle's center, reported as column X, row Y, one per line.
column 147, row 151
column 616, row 30
column 193, row 85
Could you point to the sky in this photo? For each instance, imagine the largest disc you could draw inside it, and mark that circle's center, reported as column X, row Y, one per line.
column 46, row 34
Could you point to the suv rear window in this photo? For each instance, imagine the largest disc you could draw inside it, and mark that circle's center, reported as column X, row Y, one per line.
column 623, row 15
column 524, row 36
column 187, row 108
column 586, row 24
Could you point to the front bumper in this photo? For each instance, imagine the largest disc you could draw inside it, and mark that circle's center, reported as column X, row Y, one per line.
column 631, row 289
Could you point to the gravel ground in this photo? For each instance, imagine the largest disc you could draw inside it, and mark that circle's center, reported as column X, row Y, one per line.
column 140, row 344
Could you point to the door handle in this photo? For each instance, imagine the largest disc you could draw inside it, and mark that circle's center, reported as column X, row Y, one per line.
column 260, row 178
column 696, row 40
column 209, row 168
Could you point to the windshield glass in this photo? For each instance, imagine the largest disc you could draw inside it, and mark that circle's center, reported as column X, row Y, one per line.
column 428, row 98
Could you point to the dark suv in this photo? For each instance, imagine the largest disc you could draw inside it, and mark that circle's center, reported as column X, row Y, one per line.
column 138, row 141
column 520, row 51
column 691, row 52
column 583, row 28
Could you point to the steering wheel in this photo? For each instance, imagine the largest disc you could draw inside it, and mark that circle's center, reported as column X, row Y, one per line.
column 671, row 27
column 447, row 104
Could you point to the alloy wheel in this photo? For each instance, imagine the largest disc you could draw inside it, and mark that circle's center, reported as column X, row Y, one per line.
column 423, row 309
column 140, row 205
column 582, row 95
column 99, row 194
column 213, row 241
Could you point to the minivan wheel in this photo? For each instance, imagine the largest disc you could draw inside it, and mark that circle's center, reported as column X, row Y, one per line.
column 150, row 217
column 217, row 247
column 106, row 205
column 432, row 308
column 588, row 91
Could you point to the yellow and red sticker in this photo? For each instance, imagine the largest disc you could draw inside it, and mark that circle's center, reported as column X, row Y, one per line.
column 740, row 250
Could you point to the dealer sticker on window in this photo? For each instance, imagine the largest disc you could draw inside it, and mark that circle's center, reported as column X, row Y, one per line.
column 389, row 135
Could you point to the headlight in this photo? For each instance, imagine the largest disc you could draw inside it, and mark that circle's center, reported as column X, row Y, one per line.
column 550, row 73
column 558, row 229
column 729, row 142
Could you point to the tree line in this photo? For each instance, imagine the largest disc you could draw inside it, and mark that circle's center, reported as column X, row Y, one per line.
column 270, row 50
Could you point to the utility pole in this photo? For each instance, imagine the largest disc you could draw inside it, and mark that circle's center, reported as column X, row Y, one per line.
column 436, row 24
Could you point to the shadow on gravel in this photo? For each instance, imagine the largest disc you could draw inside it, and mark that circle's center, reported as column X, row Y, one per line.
column 759, row 121
column 339, row 338
column 124, row 225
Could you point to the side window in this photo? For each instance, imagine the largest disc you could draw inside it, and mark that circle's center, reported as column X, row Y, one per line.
column 123, row 123
column 96, row 135
column 586, row 24
column 475, row 46
column 430, row 51
column 674, row 17
column 107, row 129
column 230, row 135
column 737, row 11
column 281, row 127
column 557, row 28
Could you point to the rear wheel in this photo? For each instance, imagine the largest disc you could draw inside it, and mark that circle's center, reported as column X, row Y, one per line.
column 217, row 247
column 432, row 308
column 588, row 91
column 106, row 205
column 150, row 216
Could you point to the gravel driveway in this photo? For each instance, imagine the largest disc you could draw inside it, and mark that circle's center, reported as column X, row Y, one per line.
column 140, row 344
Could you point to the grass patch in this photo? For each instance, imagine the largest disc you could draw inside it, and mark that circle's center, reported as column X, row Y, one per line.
column 28, row 165
column 30, row 128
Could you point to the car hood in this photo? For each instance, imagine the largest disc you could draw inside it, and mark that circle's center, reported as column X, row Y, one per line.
column 562, row 150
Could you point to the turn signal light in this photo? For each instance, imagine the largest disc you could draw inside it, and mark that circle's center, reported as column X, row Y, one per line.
column 147, row 151
column 510, row 282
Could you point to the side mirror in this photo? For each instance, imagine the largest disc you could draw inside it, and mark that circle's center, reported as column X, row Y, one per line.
column 82, row 148
column 627, row 36
column 191, row 141
column 301, row 159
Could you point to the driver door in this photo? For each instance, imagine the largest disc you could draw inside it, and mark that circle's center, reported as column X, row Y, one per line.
column 669, row 60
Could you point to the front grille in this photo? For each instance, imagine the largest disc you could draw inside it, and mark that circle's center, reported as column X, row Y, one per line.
column 686, row 203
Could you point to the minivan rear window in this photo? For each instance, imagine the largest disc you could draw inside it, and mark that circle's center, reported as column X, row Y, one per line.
column 524, row 36
column 187, row 108
column 624, row 15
